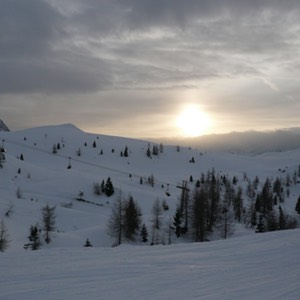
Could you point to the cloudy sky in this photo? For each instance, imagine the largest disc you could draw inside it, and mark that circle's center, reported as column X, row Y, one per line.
column 150, row 68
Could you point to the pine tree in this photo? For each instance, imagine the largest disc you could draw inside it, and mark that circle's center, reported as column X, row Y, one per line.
column 238, row 204
column 126, row 152
column 261, row 224
column 109, row 188
column 177, row 221
column 132, row 219
column 271, row 220
column 87, row 243
column 282, row 220
column 144, row 234
column 199, row 215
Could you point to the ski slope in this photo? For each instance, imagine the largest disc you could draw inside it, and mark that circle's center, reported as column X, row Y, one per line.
column 246, row 266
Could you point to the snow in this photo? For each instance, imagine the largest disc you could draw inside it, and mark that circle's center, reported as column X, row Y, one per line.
column 246, row 266
column 260, row 266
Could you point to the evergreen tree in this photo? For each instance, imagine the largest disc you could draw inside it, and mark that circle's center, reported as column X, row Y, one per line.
column 271, row 221
column 54, row 149
column 253, row 218
column 238, row 205
column 261, row 224
column 148, row 152
column 48, row 218
column 87, row 243
column 177, row 221
column 132, row 219
column 199, row 215
column 109, row 188
column 213, row 197
column 282, row 220
column 144, row 234
column 126, row 152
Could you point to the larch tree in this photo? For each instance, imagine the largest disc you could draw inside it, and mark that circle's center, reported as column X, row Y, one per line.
column 48, row 219
column 115, row 223
column 156, row 222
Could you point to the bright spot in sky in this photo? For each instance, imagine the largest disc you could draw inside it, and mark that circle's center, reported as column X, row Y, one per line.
column 192, row 121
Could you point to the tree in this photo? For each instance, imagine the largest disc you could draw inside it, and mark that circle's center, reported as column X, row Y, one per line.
column 156, row 222
column 4, row 237
column 97, row 188
column 297, row 207
column 48, row 219
column 185, row 206
column 144, row 234
column 199, row 215
column 34, row 238
column 109, row 188
column 271, row 220
column 282, row 220
column 238, row 204
column 132, row 219
column 54, row 149
column 87, row 243
column 126, row 151
column 115, row 222
column 261, row 224
column 177, row 221
column 225, row 224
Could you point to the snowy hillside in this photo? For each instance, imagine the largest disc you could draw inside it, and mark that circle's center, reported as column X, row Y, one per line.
column 60, row 165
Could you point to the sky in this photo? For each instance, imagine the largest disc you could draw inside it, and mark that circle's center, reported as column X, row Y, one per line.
column 150, row 68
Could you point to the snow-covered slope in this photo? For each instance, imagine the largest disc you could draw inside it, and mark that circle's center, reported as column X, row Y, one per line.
column 260, row 266
column 41, row 177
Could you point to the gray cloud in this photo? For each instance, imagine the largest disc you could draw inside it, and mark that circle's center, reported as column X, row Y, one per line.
column 121, row 54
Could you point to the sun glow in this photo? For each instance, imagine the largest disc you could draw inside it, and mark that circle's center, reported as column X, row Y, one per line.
column 192, row 121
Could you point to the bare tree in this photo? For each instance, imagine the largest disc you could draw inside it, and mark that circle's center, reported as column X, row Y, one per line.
column 156, row 222
column 225, row 222
column 48, row 218
column 115, row 222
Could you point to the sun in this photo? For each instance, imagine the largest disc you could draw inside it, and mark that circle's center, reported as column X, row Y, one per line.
column 193, row 121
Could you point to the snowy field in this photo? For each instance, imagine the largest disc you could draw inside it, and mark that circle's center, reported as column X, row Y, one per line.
column 261, row 266
column 246, row 266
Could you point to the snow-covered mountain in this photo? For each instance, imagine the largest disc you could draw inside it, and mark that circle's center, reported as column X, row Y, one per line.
column 59, row 165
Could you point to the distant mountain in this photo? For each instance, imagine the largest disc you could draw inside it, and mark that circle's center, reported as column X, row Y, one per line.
column 250, row 142
column 3, row 126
